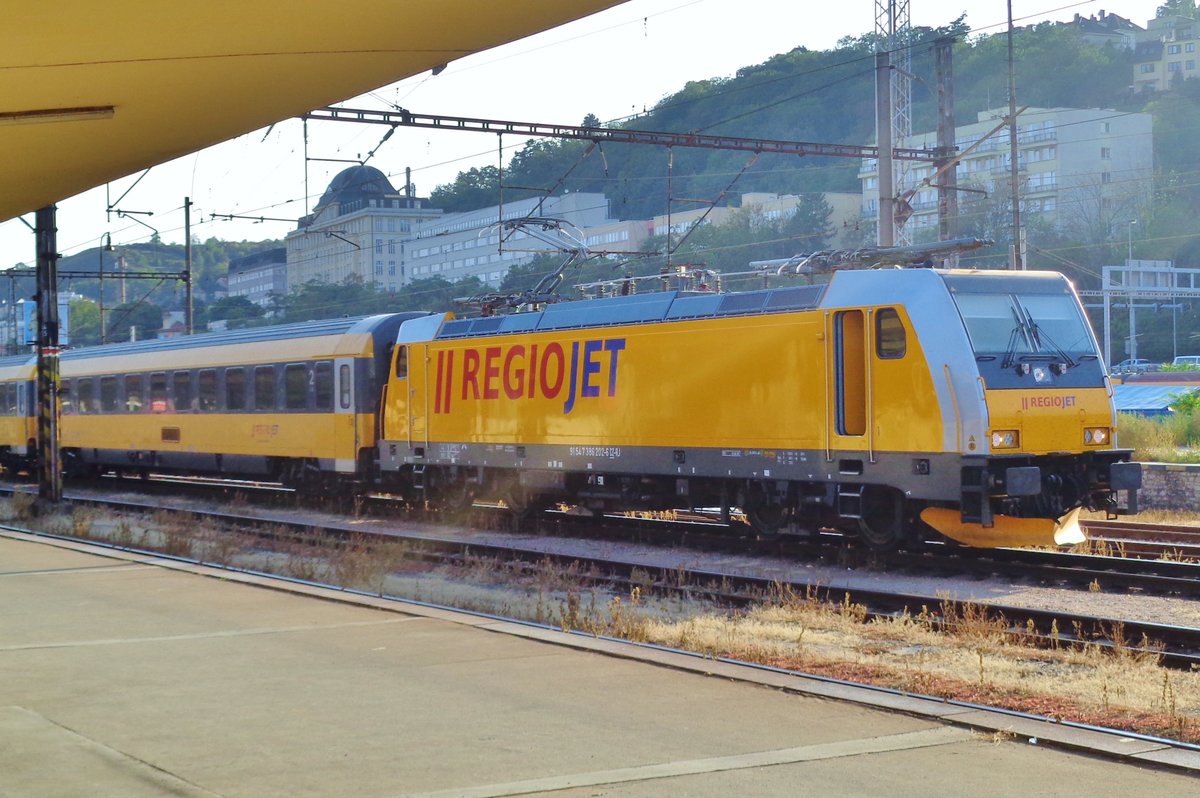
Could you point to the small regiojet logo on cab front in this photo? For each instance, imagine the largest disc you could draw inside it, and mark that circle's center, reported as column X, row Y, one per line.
column 1044, row 401
column 529, row 371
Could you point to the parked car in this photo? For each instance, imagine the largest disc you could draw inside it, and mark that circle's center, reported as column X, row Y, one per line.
column 1189, row 361
column 1134, row 366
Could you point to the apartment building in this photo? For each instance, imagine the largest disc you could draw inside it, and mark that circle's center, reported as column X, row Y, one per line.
column 474, row 244
column 1074, row 165
column 258, row 275
column 1165, row 52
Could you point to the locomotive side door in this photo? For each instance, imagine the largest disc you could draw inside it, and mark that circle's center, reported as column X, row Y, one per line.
column 416, row 399
column 849, row 376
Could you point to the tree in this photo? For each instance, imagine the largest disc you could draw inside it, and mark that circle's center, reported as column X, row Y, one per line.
column 478, row 187
column 236, row 310
column 320, row 300
column 1177, row 8
column 144, row 316
column 436, row 294
column 85, row 323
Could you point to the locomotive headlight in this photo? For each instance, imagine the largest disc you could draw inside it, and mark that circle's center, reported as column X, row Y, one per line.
column 1096, row 436
column 1005, row 439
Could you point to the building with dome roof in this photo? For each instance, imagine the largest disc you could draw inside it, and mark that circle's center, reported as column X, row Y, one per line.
column 356, row 229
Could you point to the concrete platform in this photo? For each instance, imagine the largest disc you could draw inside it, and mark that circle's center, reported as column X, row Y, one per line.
column 120, row 677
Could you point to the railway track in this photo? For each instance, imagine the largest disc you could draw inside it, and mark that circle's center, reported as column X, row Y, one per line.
column 1135, row 539
column 673, row 571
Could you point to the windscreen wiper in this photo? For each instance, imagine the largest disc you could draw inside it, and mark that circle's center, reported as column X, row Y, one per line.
column 1020, row 332
column 1039, row 337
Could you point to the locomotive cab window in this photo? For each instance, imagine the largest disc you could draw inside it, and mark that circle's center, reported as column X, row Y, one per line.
column 401, row 362
column 8, row 398
column 890, row 338
column 1024, row 324
column 66, row 400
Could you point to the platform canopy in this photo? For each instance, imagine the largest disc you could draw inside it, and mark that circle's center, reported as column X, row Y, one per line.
column 93, row 91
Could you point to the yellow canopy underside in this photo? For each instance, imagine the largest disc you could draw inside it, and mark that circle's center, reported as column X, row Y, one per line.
column 91, row 91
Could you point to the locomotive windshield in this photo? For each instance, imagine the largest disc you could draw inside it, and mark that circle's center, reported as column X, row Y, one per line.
column 1016, row 326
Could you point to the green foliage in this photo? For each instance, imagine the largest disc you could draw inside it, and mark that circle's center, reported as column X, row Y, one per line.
column 802, row 95
column 236, row 310
column 119, row 321
column 1174, row 438
column 320, row 300
column 1177, row 8
column 1186, row 403
column 210, row 264
column 85, row 323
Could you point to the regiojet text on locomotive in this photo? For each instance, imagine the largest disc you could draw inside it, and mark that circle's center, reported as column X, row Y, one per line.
column 533, row 371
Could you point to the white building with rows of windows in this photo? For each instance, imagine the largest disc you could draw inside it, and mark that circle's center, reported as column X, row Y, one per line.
column 1077, row 167
column 356, row 230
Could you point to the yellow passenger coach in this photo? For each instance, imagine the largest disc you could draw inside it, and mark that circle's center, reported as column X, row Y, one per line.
column 295, row 403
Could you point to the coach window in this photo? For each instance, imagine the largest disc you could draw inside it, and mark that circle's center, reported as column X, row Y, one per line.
column 235, row 389
column 344, row 386
column 181, row 384
column 207, row 390
column 133, row 393
column 85, row 394
column 323, row 385
column 108, row 394
column 401, row 362
column 8, row 398
column 264, row 387
column 295, row 384
column 22, row 390
column 890, row 338
column 158, row 392
column 66, row 399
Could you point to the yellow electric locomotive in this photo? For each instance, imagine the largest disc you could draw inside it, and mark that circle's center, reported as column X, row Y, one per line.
column 973, row 402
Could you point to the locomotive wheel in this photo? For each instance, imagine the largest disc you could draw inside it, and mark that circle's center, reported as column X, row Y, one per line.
column 767, row 520
column 520, row 502
column 766, row 517
column 882, row 524
column 456, row 497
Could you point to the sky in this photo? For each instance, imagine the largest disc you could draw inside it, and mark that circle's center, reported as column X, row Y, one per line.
column 612, row 64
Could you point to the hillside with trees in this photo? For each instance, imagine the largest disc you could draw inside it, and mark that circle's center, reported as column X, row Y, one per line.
column 805, row 95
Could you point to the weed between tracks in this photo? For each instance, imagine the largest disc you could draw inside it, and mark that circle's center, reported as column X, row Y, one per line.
column 952, row 650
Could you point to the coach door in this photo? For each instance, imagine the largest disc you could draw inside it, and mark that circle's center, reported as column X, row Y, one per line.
column 850, row 381
column 345, row 406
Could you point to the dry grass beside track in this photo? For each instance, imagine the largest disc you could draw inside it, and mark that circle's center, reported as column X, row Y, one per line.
column 980, row 661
